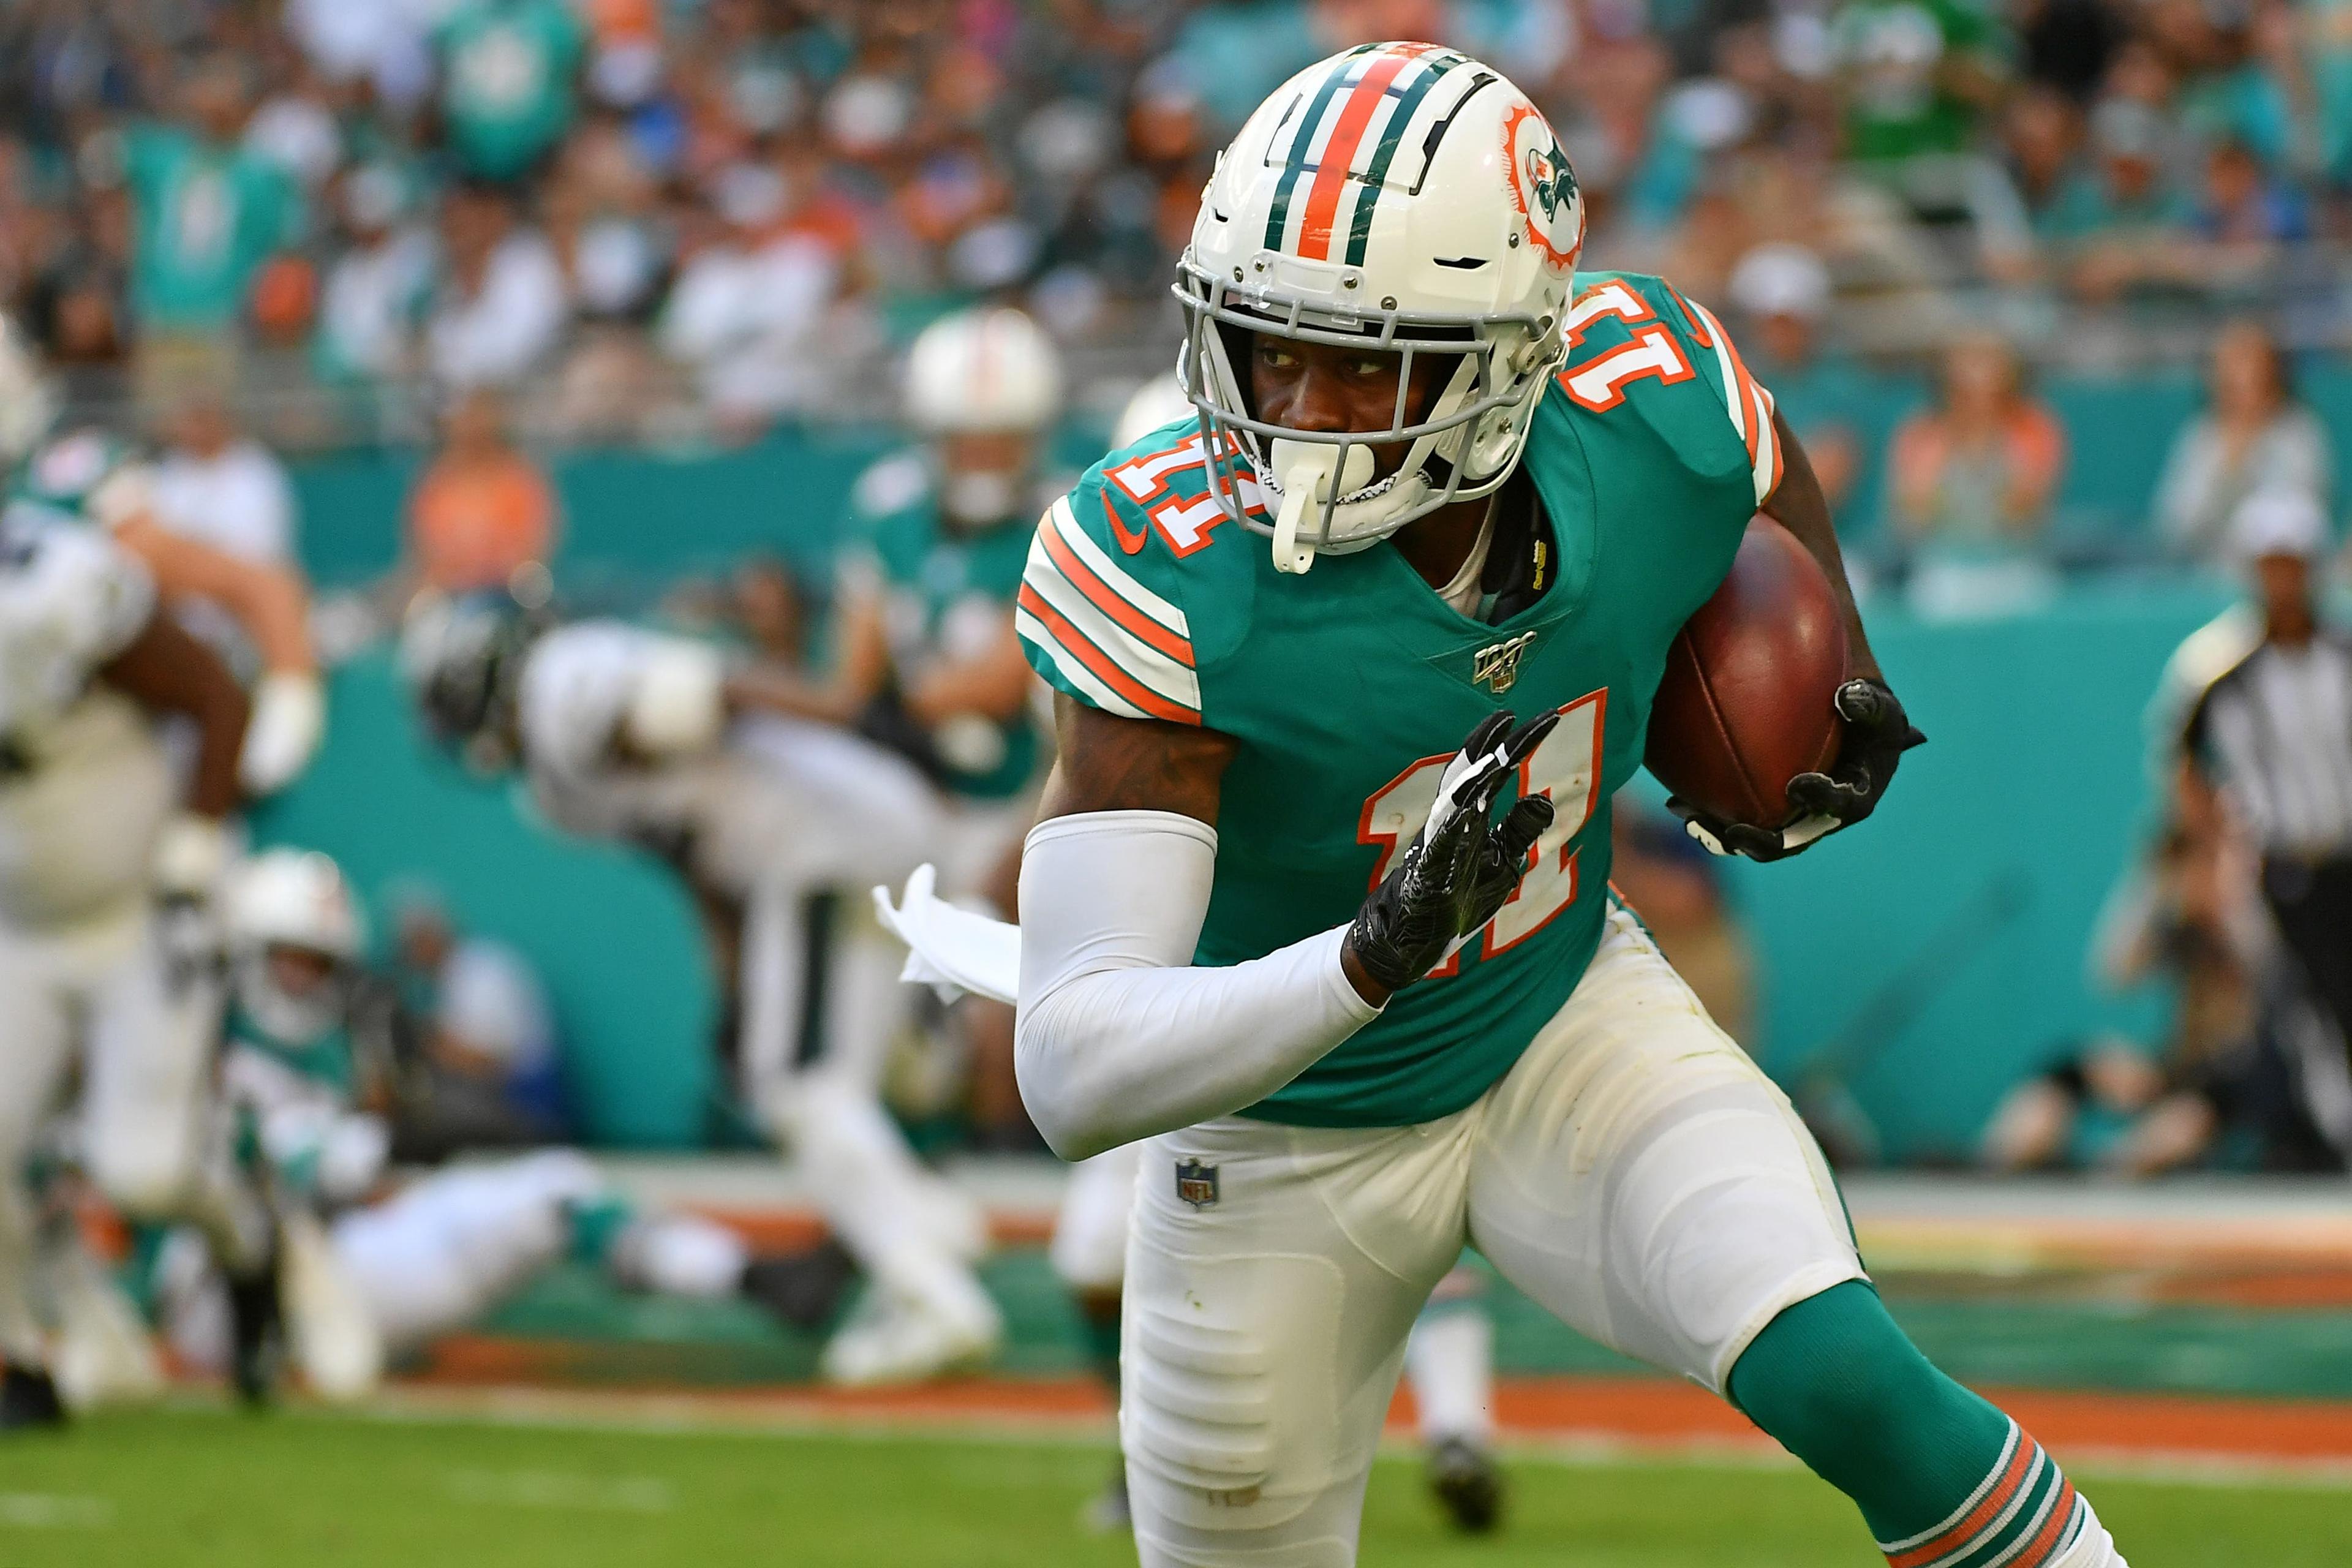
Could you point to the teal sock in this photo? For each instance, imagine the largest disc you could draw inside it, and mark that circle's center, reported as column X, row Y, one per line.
column 1940, row 1475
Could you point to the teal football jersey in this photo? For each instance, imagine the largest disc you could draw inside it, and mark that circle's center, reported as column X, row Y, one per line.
column 945, row 595
column 1351, row 686
column 84, row 476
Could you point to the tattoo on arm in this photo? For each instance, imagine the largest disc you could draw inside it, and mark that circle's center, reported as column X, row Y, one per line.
column 1109, row 763
column 1799, row 506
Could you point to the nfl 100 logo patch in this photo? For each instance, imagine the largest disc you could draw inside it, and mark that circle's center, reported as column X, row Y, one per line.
column 1196, row 1184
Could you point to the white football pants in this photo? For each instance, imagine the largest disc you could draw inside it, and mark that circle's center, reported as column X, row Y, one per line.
column 1635, row 1172
column 150, row 1136
column 1449, row 1358
column 443, row 1251
column 821, row 1098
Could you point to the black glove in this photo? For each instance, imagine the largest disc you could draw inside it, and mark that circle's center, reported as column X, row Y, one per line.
column 188, row 939
column 1462, row 866
column 1877, row 734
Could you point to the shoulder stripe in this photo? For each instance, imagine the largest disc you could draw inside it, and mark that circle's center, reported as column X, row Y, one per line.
column 1117, row 578
column 1099, row 593
column 1065, row 642
column 1749, row 404
column 1033, row 632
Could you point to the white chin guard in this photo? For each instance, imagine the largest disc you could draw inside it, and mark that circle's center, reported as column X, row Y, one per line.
column 1303, row 472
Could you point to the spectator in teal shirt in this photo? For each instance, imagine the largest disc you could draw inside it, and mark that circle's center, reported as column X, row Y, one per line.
column 2122, row 225
column 207, row 213
column 509, row 73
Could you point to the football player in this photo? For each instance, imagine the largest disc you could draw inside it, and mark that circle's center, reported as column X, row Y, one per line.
column 109, row 945
column 1359, row 981
column 310, row 1082
column 1449, row 1357
column 631, row 735
column 925, row 657
column 85, row 476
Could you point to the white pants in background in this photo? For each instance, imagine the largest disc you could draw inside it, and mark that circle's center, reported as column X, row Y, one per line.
column 149, row 1138
column 1635, row 1172
column 866, row 820
column 440, row 1253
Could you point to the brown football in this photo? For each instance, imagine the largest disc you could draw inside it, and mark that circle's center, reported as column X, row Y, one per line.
column 1748, row 701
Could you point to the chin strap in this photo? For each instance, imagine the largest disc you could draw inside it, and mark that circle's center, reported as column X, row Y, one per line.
column 1303, row 472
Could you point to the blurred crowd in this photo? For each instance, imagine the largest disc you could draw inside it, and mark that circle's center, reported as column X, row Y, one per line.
column 689, row 214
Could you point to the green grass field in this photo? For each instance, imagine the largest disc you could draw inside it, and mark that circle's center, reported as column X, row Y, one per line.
column 203, row 1489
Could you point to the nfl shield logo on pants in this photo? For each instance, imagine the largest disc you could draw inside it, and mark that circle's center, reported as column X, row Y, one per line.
column 1196, row 1184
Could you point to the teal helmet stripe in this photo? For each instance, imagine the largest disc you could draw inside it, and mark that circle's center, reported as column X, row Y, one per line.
column 1302, row 138
column 1360, row 231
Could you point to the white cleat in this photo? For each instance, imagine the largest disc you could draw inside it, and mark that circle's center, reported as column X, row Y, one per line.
column 904, row 1342
column 334, row 1337
column 954, row 1220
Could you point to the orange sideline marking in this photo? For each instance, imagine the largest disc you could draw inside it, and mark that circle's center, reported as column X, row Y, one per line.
column 1651, row 1411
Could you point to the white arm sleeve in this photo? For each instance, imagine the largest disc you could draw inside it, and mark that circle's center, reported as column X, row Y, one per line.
column 1119, row 1036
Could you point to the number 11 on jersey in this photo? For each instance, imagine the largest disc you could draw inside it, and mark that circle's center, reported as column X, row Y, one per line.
column 1565, row 767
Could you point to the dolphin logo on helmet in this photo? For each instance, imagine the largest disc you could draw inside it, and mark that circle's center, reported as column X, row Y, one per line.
column 1404, row 198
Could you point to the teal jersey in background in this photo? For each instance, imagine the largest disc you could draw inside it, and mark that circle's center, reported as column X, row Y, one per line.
column 83, row 477
column 204, row 219
column 508, row 70
column 326, row 1063
column 1351, row 686
column 947, row 593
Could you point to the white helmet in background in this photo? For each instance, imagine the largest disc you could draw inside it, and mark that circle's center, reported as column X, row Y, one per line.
column 983, row 372
column 293, row 900
column 1399, row 197
column 29, row 402
column 1158, row 401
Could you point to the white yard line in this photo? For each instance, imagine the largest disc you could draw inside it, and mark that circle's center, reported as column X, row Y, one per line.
column 45, row 1511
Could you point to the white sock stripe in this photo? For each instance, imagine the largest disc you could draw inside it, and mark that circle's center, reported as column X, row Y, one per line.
column 1999, row 1522
column 2072, row 1535
column 1984, row 1487
column 2033, row 1526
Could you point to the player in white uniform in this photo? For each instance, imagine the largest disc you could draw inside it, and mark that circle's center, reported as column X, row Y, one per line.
column 108, row 946
column 392, row 1269
column 256, row 613
column 630, row 735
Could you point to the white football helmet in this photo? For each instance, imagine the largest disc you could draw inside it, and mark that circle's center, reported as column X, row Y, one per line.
column 1401, row 197
column 1159, row 401
column 294, row 899
column 981, row 372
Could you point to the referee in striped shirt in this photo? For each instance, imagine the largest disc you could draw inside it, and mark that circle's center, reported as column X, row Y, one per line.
column 2273, row 737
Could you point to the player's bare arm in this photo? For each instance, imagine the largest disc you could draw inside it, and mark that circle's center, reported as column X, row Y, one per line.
column 1797, row 505
column 269, row 602
column 993, row 684
column 167, row 670
column 1876, row 729
column 861, row 662
column 1107, row 762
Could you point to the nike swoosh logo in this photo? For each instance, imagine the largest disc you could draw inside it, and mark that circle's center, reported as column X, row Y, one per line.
column 1132, row 543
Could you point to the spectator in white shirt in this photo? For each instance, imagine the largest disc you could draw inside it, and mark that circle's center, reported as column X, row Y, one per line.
column 2253, row 435
column 221, row 488
column 749, row 304
column 377, row 288
column 502, row 303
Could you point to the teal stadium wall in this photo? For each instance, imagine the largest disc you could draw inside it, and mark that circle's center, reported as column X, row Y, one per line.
column 1923, row 963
